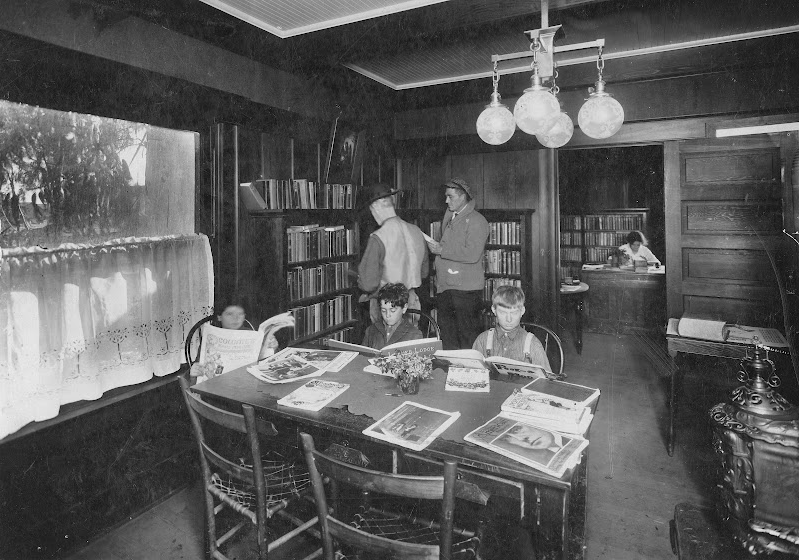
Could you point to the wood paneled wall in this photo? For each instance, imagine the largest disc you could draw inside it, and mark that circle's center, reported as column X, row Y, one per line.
column 501, row 180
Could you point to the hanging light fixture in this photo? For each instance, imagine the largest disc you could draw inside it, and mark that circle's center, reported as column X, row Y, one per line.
column 495, row 125
column 601, row 115
column 537, row 110
column 561, row 132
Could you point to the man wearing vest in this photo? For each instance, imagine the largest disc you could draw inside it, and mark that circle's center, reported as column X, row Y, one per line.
column 395, row 253
column 460, row 274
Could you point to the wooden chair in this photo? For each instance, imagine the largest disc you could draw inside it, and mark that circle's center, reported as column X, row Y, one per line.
column 376, row 531
column 197, row 331
column 425, row 322
column 257, row 488
column 552, row 346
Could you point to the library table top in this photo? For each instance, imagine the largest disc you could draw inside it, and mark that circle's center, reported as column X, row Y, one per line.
column 371, row 396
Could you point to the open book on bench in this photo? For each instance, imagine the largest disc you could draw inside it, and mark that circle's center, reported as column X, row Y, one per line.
column 497, row 364
column 703, row 328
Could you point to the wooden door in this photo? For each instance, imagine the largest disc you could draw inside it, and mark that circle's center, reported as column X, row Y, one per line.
column 724, row 210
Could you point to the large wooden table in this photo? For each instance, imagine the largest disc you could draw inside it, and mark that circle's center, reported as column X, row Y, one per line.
column 554, row 506
column 624, row 301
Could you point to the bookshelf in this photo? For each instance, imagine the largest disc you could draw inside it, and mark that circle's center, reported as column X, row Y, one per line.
column 590, row 238
column 301, row 261
column 508, row 251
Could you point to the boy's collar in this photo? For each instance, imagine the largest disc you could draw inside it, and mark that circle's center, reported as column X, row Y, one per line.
column 512, row 334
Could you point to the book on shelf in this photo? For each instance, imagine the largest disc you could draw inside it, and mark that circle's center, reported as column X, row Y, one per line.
column 251, row 197
column 422, row 346
column 412, row 425
column 284, row 370
column 711, row 329
column 327, row 360
column 547, row 413
column 314, row 395
column 546, row 450
column 470, row 380
column 497, row 364
column 567, row 394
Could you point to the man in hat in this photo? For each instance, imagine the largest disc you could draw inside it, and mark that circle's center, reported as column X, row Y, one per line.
column 460, row 274
column 395, row 253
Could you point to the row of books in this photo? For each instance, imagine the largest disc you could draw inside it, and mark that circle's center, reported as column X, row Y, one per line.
column 571, row 254
column 310, row 282
column 312, row 241
column 571, row 222
column 570, row 270
column 316, row 317
column 283, row 194
column 613, row 221
column 598, row 254
column 571, row 237
column 492, row 284
column 505, row 233
column 503, row 261
column 605, row 238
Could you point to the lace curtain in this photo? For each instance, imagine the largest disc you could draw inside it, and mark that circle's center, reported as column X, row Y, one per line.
column 79, row 320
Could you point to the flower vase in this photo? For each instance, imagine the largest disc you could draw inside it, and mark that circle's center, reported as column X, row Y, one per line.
column 409, row 384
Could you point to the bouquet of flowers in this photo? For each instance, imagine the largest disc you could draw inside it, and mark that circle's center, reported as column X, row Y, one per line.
column 407, row 368
column 617, row 257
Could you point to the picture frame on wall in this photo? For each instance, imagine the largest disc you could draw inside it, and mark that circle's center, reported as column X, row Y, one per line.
column 344, row 154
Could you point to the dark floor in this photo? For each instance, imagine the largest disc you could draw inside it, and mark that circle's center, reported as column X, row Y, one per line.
column 633, row 485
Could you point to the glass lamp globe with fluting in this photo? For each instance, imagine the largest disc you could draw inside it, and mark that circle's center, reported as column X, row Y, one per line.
column 537, row 110
column 560, row 133
column 601, row 116
column 495, row 125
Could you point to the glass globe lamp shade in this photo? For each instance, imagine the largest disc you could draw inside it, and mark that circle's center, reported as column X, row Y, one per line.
column 560, row 133
column 536, row 111
column 495, row 125
column 600, row 116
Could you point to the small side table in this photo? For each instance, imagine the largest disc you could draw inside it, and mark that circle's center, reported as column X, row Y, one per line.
column 572, row 296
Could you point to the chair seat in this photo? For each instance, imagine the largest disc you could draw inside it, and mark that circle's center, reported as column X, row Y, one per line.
column 284, row 481
column 407, row 528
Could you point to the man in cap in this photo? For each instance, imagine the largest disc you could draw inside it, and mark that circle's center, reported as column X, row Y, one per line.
column 395, row 253
column 460, row 274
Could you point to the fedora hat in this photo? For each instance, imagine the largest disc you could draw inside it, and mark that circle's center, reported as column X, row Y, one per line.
column 376, row 192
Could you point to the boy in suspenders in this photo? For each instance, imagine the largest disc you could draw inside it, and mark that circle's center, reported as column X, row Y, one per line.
column 509, row 339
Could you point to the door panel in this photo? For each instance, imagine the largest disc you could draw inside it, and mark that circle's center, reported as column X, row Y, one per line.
column 728, row 194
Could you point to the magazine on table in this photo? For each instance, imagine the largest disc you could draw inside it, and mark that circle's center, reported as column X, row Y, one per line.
column 412, row 425
column 422, row 346
column 546, row 450
column 314, row 395
column 547, row 414
column 328, row 360
column 284, row 370
column 568, row 394
column 471, row 380
column 498, row 364
column 703, row 328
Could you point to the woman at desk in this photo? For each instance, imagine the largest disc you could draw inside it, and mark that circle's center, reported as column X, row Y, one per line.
column 636, row 248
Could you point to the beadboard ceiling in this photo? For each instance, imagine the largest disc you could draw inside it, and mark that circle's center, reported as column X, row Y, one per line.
column 289, row 18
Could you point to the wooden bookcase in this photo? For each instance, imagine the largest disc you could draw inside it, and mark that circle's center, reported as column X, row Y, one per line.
column 590, row 238
column 292, row 271
column 508, row 250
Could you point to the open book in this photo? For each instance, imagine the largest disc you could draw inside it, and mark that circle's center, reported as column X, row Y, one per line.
column 547, row 450
column 270, row 327
column 229, row 349
column 498, row 364
column 690, row 326
column 328, row 360
column 412, row 425
column 470, row 380
column 422, row 346
column 284, row 370
column 567, row 394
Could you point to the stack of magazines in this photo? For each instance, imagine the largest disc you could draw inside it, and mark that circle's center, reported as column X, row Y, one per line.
column 542, row 425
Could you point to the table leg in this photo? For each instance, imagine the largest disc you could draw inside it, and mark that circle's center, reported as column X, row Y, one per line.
column 578, row 320
column 673, row 391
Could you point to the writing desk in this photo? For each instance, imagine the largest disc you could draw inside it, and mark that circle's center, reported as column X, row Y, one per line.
column 555, row 506
column 677, row 346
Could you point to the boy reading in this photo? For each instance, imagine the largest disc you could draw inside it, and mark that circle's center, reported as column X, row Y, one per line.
column 392, row 326
column 509, row 339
